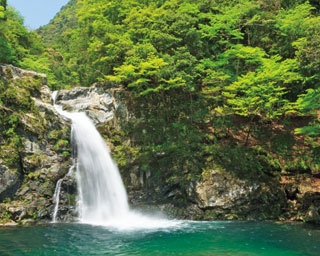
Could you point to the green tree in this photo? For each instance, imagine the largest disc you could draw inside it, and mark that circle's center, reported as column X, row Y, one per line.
column 291, row 24
column 262, row 91
column 309, row 103
column 3, row 7
column 6, row 53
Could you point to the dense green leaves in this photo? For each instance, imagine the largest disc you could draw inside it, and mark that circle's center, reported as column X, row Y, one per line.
column 196, row 73
column 262, row 92
column 191, row 67
column 310, row 103
column 20, row 46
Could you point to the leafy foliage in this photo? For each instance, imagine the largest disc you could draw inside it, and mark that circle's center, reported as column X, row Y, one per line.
column 18, row 45
column 192, row 65
column 199, row 75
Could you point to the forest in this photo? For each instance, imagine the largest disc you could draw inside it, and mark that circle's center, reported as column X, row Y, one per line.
column 212, row 83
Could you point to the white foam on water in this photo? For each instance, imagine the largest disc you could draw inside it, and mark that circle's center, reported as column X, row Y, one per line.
column 136, row 221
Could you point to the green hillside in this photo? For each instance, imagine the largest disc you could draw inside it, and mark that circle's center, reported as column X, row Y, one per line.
column 202, row 76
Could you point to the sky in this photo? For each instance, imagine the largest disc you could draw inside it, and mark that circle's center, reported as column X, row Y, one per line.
column 37, row 12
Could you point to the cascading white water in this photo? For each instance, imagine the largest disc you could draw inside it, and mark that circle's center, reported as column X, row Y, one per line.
column 56, row 194
column 102, row 198
column 102, row 195
column 56, row 199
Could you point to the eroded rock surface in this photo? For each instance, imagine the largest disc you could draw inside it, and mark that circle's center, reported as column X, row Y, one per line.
column 223, row 195
column 95, row 101
column 35, row 146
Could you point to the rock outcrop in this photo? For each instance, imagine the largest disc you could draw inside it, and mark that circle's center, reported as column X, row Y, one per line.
column 303, row 196
column 9, row 181
column 95, row 101
column 217, row 195
column 35, row 148
column 224, row 196
column 220, row 195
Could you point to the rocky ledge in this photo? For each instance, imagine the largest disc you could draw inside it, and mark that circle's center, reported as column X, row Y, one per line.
column 219, row 195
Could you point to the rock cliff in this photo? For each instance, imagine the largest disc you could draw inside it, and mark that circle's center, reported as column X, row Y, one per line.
column 35, row 149
column 36, row 153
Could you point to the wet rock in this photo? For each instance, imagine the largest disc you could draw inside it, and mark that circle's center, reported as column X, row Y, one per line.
column 222, row 196
column 97, row 102
column 42, row 213
column 313, row 215
column 67, row 198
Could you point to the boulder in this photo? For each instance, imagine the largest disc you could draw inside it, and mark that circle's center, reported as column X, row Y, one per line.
column 311, row 207
column 313, row 215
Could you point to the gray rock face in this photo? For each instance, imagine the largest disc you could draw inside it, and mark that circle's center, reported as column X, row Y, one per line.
column 224, row 196
column 9, row 182
column 12, row 72
column 95, row 101
column 42, row 156
column 222, row 190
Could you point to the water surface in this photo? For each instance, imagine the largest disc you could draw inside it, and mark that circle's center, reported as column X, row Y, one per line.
column 183, row 238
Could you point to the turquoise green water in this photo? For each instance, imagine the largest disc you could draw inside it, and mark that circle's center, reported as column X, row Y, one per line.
column 186, row 238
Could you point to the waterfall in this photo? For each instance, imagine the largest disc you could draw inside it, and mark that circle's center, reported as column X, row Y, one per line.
column 102, row 195
column 56, row 194
column 102, row 198
column 56, row 200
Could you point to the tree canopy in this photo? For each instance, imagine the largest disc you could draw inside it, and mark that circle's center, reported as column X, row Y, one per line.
column 196, row 72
